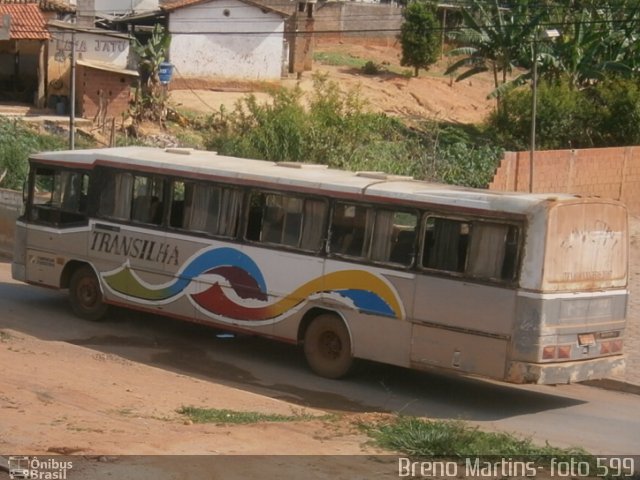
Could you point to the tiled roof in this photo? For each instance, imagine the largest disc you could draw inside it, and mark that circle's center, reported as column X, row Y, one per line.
column 176, row 4
column 171, row 5
column 60, row 6
column 27, row 22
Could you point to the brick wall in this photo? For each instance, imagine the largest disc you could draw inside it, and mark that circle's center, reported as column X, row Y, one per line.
column 602, row 172
column 102, row 94
column 349, row 21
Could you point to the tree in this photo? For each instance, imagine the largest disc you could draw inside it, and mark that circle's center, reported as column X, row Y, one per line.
column 419, row 36
column 494, row 39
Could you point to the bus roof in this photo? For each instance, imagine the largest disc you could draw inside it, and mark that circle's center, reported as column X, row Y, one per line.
column 298, row 176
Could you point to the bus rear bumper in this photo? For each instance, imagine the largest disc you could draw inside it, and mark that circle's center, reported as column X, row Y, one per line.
column 566, row 372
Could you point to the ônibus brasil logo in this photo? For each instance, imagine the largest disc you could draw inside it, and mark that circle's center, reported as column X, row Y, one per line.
column 41, row 469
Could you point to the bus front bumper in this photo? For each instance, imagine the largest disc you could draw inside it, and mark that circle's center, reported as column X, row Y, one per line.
column 565, row 372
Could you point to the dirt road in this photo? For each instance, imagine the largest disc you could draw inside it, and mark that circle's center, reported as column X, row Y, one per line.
column 71, row 386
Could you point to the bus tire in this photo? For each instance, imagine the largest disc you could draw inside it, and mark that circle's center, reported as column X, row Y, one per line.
column 85, row 295
column 327, row 346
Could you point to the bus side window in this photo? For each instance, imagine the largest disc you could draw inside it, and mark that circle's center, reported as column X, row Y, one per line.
column 115, row 195
column 210, row 209
column 254, row 220
column 394, row 237
column 493, row 251
column 351, row 229
column 147, row 203
column 479, row 249
column 284, row 220
column 445, row 244
column 178, row 194
column 510, row 265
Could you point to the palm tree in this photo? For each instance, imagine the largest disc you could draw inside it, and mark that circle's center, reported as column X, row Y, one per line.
column 494, row 39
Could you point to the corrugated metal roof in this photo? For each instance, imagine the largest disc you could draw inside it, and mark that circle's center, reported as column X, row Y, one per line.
column 27, row 22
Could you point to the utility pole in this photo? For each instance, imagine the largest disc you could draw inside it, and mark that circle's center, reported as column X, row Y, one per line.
column 538, row 36
column 72, row 94
column 534, row 92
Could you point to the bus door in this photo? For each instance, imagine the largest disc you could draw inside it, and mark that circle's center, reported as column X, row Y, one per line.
column 56, row 222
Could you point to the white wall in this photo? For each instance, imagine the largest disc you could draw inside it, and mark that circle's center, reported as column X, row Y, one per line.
column 89, row 46
column 232, row 51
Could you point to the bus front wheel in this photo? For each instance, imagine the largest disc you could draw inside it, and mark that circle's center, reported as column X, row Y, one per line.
column 85, row 295
column 327, row 346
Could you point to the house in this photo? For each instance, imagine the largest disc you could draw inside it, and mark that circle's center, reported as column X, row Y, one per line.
column 51, row 9
column 226, row 38
column 22, row 53
column 102, row 79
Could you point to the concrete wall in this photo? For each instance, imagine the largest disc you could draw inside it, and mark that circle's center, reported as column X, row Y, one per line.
column 602, row 172
column 333, row 17
column 90, row 47
column 357, row 22
column 10, row 209
column 235, row 50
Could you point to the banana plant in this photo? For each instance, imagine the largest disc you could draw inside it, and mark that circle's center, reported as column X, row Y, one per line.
column 150, row 55
column 494, row 38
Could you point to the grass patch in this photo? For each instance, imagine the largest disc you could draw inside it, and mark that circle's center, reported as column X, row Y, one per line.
column 224, row 416
column 421, row 438
column 5, row 337
column 339, row 59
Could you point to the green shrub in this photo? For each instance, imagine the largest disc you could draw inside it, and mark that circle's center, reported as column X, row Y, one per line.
column 335, row 128
column 603, row 115
column 371, row 68
column 560, row 118
column 17, row 141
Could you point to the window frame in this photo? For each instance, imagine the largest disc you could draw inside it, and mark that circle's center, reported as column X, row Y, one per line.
column 376, row 207
column 101, row 172
column 473, row 219
column 250, row 192
column 31, row 207
column 203, row 233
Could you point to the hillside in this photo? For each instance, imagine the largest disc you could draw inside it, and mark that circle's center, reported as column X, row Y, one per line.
column 431, row 95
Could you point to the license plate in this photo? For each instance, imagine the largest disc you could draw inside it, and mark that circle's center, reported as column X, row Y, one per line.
column 586, row 339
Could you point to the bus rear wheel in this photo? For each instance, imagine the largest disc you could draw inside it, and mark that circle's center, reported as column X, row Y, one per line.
column 327, row 347
column 85, row 295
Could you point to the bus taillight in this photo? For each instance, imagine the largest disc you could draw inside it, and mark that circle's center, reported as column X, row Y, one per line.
column 613, row 346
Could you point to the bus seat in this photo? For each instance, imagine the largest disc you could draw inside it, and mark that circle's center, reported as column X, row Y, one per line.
column 402, row 251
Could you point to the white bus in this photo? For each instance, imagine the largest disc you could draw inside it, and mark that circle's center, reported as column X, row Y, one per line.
column 524, row 288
